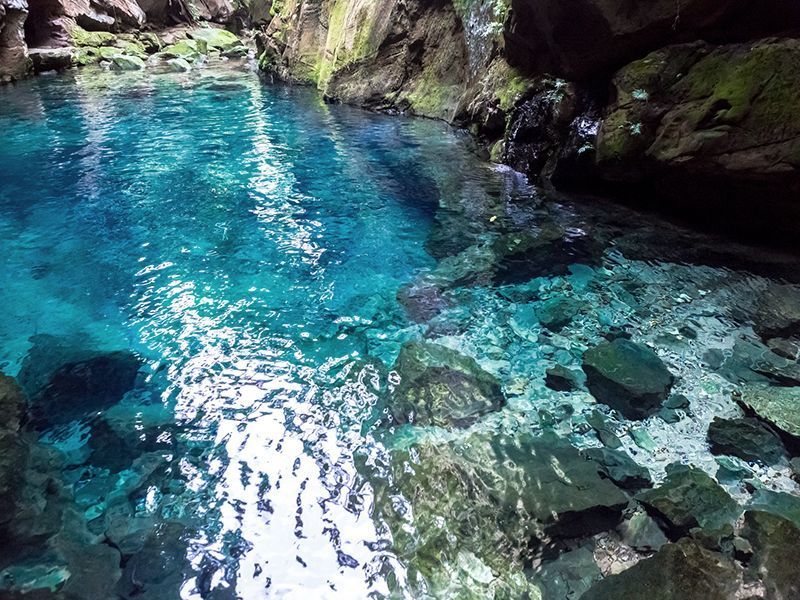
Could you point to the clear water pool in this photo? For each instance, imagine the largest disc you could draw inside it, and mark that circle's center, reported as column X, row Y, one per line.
column 253, row 247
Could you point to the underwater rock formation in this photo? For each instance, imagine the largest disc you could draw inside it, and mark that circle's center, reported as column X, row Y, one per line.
column 439, row 386
column 681, row 571
column 628, row 377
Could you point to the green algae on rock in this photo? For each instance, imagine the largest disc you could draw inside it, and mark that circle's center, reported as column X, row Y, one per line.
column 775, row 541
column 681, row 571
column 498, row 495
column 124, row 62
column 439, row 386
column 724, row 112
column 627, row 376
column 689, row 498
column 779, row 406
column 218, row 39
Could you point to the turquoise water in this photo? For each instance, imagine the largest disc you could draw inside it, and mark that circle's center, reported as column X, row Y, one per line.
column 247, row 244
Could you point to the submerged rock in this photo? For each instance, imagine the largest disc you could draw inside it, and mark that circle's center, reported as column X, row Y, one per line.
column 562, row 379
column 681, row 571
column 499, row 496
column 642, row 533
column 778, row 311
column 689, row 498
column 440, row 386
column 570, row 575
column 628, row 377
column 156, row 571
column 603, row 429
column 745, row 438
column 777, row 503
column 13, row 450
column 422, row 301
column 72, row 390
column 620, row 468
column 775, row 541
column 556, row 313
column 779, row 406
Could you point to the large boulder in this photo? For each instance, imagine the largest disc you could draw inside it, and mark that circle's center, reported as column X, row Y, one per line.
column 440, row 386
column 51, row 59
column 682, row 571
column 627, row 376
column 778, row 311
column 588, row 38
column 499, row 496
column 712, row 123
column 689, row 498
column 51, row 22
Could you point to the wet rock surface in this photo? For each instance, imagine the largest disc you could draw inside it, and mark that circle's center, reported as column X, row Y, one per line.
column 745, row 438
column 627, row 376
column 689, row 498
column 439, row 386
column 775, row 405
column 681, row 571
column 774, row 541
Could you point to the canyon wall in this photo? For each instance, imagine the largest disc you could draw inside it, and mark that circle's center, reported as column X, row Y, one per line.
column 681, row 104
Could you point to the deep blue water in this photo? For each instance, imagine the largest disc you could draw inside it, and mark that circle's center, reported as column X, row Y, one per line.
column 247, row 243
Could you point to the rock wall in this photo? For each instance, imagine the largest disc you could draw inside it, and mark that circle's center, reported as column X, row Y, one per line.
column 14, row 61
column 682, row 104
column 40, row 35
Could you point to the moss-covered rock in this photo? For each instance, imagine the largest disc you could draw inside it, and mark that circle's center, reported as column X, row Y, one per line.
column 218, row 39
column 92, row 39
column 179, row 65
column 189, row 50
column 718, row 115
column 125, row 62
column 439, row 386
column 682, row 571
column 689, row 498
